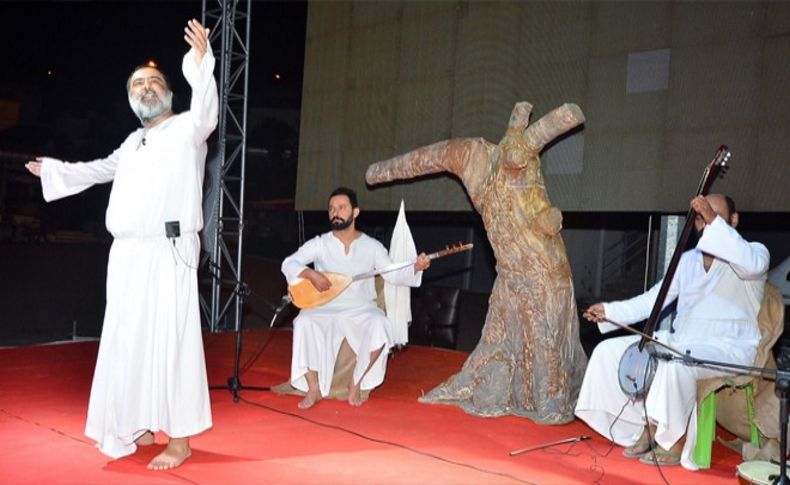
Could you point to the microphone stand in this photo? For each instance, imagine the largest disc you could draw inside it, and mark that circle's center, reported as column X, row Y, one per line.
column 234, row 384
column 781, row 387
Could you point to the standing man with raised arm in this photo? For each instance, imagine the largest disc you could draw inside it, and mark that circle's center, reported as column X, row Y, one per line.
column 150, row 372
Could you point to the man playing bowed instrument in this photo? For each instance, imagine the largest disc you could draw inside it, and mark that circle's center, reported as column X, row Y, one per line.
column 719, row 289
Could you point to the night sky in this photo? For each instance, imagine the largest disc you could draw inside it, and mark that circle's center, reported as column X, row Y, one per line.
column 65, row 65
column 67, row 62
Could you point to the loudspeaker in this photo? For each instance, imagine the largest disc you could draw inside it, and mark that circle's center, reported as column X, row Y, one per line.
column 211, row 195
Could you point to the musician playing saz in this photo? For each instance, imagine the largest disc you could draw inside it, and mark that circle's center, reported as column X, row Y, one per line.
column 352, row 315
column 719, row 289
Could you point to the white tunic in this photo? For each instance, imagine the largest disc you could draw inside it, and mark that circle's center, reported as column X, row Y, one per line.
column 353, row 315
column 716, row 320
column 150, row 371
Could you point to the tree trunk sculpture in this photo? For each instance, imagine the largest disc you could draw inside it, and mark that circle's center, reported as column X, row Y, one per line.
column 529, row 361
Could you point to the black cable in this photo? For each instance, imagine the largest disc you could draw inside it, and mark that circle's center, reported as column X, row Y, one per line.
column 256, row 355
column 595, row 467
column 596, row 454
column 174, row 250
column 384, row 442
column 611, row 427
column 647, row 424
column 49, row 428
column 245, row 290
column 170, row 472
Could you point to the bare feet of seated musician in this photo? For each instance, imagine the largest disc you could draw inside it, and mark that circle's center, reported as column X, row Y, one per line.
column 313, row 391
column 174, row 455
column 354, row 388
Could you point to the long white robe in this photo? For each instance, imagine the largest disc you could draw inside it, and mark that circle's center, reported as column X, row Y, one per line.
column 353, row 315
column 150, row 372
column 716, row 320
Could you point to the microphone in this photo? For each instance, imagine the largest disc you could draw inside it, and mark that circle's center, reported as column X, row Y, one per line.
column 284, row 302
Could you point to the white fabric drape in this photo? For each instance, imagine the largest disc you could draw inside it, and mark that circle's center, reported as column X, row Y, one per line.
column 397, row 299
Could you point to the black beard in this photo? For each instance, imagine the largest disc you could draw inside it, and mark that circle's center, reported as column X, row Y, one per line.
column 342, row 224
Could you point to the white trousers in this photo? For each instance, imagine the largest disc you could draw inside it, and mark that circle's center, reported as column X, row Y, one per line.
column 318, row 335
column 670, row 404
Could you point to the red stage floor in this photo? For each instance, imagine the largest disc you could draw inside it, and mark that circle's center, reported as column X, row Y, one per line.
column 265, row 438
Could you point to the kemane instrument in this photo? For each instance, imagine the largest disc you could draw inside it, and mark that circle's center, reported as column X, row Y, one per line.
column 637, row 365
column 305, row 295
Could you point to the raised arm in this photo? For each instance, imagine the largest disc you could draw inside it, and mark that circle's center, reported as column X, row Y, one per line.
column 749, row 260
column 198, row 69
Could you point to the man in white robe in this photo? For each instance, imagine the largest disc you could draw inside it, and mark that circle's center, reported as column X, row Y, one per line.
column 352, row 315
column 150, row 372
column 719, row 289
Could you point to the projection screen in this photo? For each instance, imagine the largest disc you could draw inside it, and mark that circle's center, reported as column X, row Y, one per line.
column 662, row 85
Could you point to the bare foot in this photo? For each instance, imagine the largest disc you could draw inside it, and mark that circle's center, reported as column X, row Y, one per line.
column 175, row 454
column 145, row 439
column 354, row 397
column 310, row 399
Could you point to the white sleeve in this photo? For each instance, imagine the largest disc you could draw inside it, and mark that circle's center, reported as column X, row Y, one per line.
column 294, row 264
column 749, row 260
column 636, row 309
column 204, row 106
column 61, row 179
column 402, row 277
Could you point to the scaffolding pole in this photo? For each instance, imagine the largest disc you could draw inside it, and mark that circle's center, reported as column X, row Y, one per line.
column 229, row 24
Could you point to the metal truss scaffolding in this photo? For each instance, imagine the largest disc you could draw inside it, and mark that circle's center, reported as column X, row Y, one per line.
column 229, row 24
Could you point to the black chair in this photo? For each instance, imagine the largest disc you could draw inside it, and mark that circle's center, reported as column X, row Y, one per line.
column 435, row 316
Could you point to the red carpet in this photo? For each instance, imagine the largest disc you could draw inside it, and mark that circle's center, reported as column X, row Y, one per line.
column 265, row 438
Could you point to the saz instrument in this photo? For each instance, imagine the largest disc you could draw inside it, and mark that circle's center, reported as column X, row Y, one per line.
column 305, row 295
column 638, row 363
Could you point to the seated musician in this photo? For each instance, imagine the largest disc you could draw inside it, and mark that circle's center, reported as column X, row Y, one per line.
column 719, row 289
column 353, row 314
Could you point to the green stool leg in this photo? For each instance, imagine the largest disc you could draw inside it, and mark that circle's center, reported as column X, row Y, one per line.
column 755, row 434
column 706, row 431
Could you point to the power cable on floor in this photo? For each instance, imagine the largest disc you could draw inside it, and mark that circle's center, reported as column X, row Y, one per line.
column 384, row 442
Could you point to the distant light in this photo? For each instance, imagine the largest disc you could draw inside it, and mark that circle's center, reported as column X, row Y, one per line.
column 49, row 72
column 277, row 77
column 152, row 63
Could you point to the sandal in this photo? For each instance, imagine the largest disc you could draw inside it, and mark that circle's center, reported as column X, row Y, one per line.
column 661, row 457
column 639, row 448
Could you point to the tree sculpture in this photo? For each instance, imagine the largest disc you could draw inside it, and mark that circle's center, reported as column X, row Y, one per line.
column 529, row 361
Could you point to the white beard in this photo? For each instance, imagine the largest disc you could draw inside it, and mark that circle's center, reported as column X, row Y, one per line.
column 146, row 112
